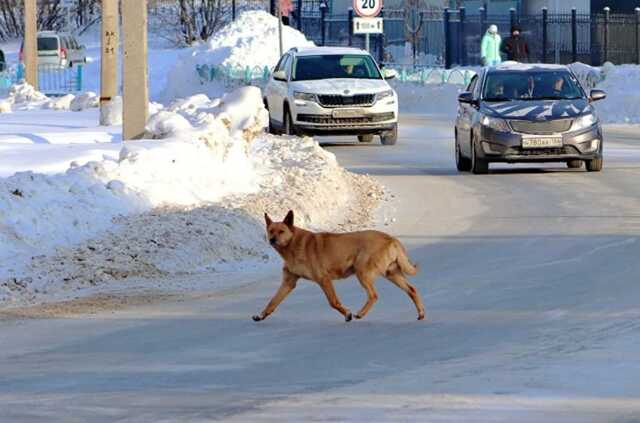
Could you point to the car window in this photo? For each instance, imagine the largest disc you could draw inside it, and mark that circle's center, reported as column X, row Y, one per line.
column 287, row 66
column 334, row 66
column 47, row 43
column 281, row 62
column 472, row 85
column 540, row 85
column 478, row 87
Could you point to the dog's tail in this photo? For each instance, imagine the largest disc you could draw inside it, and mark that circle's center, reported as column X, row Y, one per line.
column 403, row 261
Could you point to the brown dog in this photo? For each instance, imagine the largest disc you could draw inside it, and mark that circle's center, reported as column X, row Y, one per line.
column 323, row 257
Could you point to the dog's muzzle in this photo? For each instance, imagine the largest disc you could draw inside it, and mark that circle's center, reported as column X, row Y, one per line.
column 272, row 241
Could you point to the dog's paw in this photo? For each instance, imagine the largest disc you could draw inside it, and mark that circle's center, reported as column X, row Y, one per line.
column 348, row 317
column 257, row 318
column 421, row 316
column 358, row 317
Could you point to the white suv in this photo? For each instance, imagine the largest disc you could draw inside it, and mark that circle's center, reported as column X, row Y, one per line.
column 332, row 91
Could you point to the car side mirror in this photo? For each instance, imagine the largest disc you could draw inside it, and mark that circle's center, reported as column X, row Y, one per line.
column 280, row 75
column 389, row 73
column 466, row 98
column 597, row 95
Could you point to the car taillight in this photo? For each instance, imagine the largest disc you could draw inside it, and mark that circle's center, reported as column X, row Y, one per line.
column 63, row 53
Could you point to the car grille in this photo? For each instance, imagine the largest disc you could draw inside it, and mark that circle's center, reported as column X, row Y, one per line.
column 330, row 120
column 343, row 100
column 541, row 128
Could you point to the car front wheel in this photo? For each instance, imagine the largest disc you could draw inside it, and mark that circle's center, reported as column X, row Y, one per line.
column 462, row 163
column 479, row 166
column 594, row 165
column 390, row 137
column 289, row 126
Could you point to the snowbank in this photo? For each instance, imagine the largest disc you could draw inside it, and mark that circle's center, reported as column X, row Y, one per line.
column 433, row 99
column 622, row 104
column 250, row 41
column 190, row 200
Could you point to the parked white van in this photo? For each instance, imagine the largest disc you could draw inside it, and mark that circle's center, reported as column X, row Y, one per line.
column 57, row 49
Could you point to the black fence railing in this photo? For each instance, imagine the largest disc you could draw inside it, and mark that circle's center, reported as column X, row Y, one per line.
column 453, row 37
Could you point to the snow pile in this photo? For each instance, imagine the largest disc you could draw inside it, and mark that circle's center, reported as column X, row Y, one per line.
column 191, row 201
column 240, row 112
column 250, row 41
column 622, row 104
column 432, row 99
column 25, row 93
column 60, row 103
column 84, row 101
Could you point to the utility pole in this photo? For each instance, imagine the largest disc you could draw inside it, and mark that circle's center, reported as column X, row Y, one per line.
column 109, row 58
column 30, row 50
column 135, row 87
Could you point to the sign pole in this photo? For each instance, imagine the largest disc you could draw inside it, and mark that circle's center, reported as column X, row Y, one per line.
column 30, row 50
column 280, row 30
column 366, row 42
column 109, row 58
column 135, row 87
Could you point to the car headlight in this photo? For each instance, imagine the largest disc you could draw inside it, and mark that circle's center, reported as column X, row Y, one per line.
column 584, row 121
column 496, row 124
column 384, row 94
column 305, row 96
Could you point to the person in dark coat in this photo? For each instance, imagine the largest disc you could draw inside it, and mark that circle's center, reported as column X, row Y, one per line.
column 3, row 64
column 516, row 47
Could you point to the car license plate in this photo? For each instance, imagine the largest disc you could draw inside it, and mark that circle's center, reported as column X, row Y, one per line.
column 347, row 113
column 541, row 142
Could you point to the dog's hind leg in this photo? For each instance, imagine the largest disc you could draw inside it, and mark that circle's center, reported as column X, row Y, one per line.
column 289, row 281
column 367, row 283
column 334, row 301
column 396, row 276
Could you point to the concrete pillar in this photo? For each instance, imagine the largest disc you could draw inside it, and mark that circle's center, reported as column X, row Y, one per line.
column 109, row 58
column 30, row 50
column 135, row 89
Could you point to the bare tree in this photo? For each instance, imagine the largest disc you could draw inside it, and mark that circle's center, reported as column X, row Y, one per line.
column 199, row 19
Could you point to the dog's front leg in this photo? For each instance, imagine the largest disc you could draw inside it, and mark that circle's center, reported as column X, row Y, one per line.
column 334, row 301
column 289, row 281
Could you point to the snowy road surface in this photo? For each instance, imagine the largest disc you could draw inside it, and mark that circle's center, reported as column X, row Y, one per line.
column 530, row 279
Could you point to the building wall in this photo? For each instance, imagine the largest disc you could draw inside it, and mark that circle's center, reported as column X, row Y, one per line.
column 494, row 7
column 532, row 7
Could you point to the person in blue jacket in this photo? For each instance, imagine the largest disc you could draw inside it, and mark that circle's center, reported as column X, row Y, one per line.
column 490, row 47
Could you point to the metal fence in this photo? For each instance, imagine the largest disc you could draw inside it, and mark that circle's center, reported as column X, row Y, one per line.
column 452, row 37
column 52, row 80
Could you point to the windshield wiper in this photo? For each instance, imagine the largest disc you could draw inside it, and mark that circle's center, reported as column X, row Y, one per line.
column 498, row 99
column 555, row 97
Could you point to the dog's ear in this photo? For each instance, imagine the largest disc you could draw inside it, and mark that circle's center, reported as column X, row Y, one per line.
column 267, row 220
column 288, row 220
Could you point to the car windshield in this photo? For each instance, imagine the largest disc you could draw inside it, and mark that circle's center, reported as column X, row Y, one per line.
column 307, row 68
column 541, row 85
column 47, row 43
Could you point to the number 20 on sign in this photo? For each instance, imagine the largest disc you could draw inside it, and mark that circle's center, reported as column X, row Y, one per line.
column 367, row 8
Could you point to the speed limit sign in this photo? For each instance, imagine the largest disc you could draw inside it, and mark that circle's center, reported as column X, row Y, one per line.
column 367, row 8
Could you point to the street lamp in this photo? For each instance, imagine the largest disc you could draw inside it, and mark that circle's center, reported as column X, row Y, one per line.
column 323, row 15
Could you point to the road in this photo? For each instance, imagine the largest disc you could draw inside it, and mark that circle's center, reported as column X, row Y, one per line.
column 530, row 279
